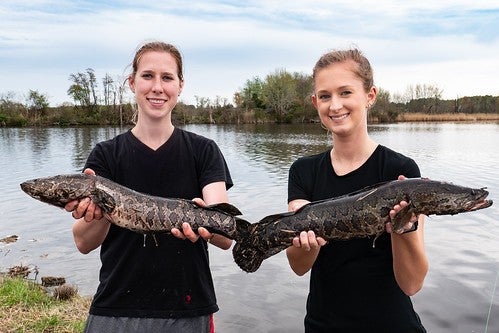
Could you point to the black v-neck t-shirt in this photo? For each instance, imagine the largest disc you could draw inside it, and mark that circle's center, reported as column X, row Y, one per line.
column 352, row 283
column 162, row 277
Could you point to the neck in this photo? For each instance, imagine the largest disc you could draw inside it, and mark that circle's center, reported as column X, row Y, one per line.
column 350, row 153
column 153, row 134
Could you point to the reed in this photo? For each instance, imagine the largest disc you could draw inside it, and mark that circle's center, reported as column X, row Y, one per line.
column 416, row 117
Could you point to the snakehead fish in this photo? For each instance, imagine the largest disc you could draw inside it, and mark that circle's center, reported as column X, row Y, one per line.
column 133, row 210
column 360, row 214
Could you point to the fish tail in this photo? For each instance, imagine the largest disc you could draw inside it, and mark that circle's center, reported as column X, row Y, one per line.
column 243, row 229
column 247, row 257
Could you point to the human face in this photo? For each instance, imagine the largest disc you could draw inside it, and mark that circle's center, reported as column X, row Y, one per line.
column 340, row 98
column 156, row 84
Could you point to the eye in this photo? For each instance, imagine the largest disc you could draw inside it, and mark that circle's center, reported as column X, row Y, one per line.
column 146, row 75
column 346, row 93
column 323, row 97
column 167, row 77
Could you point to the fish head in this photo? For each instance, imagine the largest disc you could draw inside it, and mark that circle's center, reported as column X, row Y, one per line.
column 449, row 199
column 59, row 190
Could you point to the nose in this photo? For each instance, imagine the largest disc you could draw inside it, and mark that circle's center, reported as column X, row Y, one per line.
column 335, row 104
column 157, row 88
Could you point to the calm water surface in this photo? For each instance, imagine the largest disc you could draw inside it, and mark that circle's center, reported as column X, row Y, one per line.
column 461, row 292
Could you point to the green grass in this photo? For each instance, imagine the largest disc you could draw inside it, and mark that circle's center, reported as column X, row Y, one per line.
column 18, row 291
column 26, row 307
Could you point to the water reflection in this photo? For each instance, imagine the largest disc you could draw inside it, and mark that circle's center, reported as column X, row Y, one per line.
column 463, row 250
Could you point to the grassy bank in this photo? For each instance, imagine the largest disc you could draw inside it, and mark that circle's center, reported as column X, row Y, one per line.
column 447, row 117
column 26, row 306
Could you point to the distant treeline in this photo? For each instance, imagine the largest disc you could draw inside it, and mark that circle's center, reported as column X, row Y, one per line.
column 280, row 97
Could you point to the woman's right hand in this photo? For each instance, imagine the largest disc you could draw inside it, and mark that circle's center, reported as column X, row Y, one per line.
column 305, row 248
column 84, row 207
column 308, row 241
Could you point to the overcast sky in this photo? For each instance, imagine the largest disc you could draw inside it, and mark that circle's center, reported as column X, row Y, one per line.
column 452, row 44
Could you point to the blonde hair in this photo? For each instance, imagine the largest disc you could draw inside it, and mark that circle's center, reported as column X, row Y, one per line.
column 363, row 71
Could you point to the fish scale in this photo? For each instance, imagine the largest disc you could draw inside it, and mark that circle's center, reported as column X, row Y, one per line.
column 356, row 215
column 130, row 209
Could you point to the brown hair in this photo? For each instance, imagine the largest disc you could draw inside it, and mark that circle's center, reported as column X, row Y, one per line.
column 160, row 47
column 363, row 70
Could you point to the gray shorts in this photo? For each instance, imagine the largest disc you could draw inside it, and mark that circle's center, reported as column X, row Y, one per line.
column 99, row 324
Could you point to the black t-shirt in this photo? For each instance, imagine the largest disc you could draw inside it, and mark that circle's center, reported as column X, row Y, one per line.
column 352, row 284
column 160, row 276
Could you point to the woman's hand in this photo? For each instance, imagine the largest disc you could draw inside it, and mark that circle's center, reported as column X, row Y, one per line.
column 308, row 241
column 398, row 209
column 85, row 207
column 187, row 232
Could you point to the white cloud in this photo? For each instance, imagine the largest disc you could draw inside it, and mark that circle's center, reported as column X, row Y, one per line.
column 453, row 44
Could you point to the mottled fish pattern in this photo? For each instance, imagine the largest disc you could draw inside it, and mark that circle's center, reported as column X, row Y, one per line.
column 355, row 215
column 360, row 214
column 132, row 210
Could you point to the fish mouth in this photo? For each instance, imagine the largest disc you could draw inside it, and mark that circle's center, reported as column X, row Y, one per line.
column 27, row 187
column 483, row 203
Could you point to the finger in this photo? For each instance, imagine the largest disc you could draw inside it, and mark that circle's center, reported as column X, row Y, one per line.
column 389, row 228
column 304, row 241
column 189, row 233
column 89, row 213
column 401, row 177
column 397, row 208
column 177, row 233
column 312, row 240
column 70, row 206
column 296, row 242
column 200, row 202
column 81, row 208
column 205, row 234
column 98, row 213
column 89, row 171
column 321, row 241
column 74, row 214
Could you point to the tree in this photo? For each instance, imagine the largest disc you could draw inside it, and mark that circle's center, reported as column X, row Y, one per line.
column 107, row 83
column 251, row 96
column 37, row 103
column 204, row 103
column 279, row 93
column 383, row 109
column 423, row 98
column 304, row 86
column 83, row 90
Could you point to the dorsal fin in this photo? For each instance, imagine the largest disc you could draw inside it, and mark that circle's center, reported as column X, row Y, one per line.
column 225, row 207
column 275, row 217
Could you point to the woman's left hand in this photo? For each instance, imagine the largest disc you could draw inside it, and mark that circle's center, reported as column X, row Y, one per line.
column 409, row 226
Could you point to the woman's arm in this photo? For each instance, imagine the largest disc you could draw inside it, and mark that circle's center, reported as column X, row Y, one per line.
column 305, row 249
column 90, row 235
column 410, row 264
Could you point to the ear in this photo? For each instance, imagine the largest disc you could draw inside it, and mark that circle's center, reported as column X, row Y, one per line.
column 131, row 83
column 314, row 100
column 180, row 87
column 371, row 95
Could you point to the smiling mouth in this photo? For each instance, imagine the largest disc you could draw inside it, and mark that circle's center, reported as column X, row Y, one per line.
column 156, row 101
column 339, row 117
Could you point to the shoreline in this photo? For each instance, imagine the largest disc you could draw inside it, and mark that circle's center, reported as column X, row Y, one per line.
column 448, row 117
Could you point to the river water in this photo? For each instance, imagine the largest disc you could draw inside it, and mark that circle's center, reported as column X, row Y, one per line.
column 461, row 291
